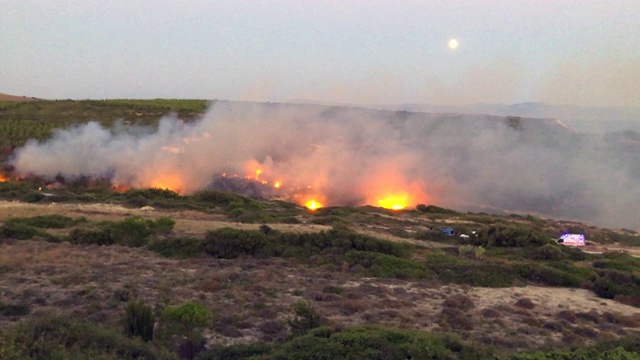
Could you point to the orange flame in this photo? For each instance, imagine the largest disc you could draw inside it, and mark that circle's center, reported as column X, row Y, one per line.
column 120, row 187
column 312, row 205
column 167, row 182
column 395, row 202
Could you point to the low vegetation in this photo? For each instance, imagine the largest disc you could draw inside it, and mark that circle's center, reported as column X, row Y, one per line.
column 217, row 275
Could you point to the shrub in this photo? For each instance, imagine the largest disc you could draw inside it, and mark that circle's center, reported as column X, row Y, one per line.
column 48, row 221
column 382, row 265
column 611, row 283
column 458, row 301
column 133, row 231
column 432, row 209
column 162, row 225
column 471, row 252
column 56, row 337
column 475, row 274
column 180, row 247
column 186, row 320
column 525, row 303
column 374, row 343
column 84, row 236
column 14, row 309
column 569, row 276
column 510, row 236
column 229, row 243
column 18, row 230
column 305, row 318
column 238, row 351
column 548, row 252
column 139, row 320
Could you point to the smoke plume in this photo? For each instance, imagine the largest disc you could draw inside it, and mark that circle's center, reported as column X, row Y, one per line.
column 350, row 156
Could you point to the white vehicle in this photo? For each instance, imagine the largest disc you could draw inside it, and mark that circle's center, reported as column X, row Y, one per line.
column 571, row 239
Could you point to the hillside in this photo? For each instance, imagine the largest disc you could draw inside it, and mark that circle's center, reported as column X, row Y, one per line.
column 463, row 161
column 13, row 98
column 90, row 268
column 507, row 291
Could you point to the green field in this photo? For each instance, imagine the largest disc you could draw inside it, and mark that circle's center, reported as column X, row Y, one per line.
column 20, row 121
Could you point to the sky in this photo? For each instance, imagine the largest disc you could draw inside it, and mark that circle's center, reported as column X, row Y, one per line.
column 580, row 52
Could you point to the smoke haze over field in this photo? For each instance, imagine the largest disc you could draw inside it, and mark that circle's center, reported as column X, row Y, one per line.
column 349, row 156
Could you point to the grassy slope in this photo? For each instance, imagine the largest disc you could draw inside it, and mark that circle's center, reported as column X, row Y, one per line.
column 20, row 121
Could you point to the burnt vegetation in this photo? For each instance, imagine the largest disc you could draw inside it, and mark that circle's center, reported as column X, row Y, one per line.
column 278, row 281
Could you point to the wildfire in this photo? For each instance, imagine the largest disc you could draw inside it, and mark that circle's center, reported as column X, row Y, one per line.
column 172, row 183
column 397, row 202
column 277, row 184
column 3, row 178
column 120, row 187
column 312, row 205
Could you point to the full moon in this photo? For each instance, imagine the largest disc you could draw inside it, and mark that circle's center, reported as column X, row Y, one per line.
column 453, row 44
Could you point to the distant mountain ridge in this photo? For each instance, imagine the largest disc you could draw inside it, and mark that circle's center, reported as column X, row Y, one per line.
column 533, row 109
column 579, row 118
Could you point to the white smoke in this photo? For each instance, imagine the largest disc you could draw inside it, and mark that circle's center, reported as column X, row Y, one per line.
column 356, row 156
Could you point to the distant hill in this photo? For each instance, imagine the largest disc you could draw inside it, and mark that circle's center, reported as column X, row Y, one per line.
column 579, row 118
column 586, row 119
column 7, row 97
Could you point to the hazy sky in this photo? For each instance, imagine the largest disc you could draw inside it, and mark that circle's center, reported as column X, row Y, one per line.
column 584, row 52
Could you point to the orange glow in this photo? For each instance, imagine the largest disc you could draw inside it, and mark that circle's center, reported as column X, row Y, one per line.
column 277, row 184
column 120, row 188
column 258, row 172
column 172, row 183
column 312, row 205
column 396, row 202
column 3, row 178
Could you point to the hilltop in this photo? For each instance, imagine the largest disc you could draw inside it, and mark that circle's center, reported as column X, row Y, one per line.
column 7, row 97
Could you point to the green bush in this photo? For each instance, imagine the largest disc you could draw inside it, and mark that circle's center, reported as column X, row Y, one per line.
column 611, row 283
column 229, row 243
column 49, row 337
column 187, row 320
column 432, row 209
column 162, row 225
column 475, row 274
column 510, row 236
column 238, row 351
column 374, row 343
column 48, row 221
column 383, row 265
column 139, row 320
column 305, row 318
column 569, row 276
column 20, row 231
column 180, row 247
column 133, row 231
column 548, row 252
column 85, row 236
column 579, row 354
